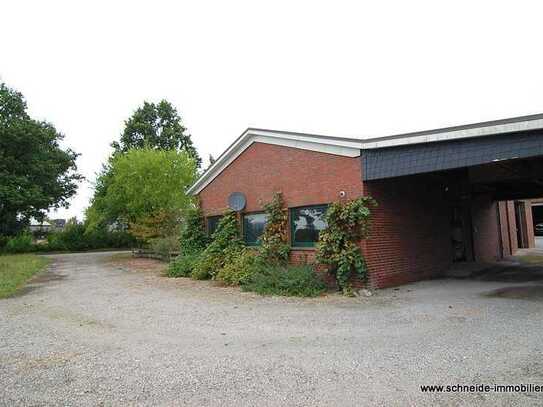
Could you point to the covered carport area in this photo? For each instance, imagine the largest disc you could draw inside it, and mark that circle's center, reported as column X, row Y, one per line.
column 460, row 194
column 537, row 217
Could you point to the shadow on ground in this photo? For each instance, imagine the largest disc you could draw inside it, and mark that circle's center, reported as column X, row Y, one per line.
column 527, row 267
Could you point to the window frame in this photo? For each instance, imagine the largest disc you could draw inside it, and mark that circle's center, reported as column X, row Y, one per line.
column 207, row 223
column 302, row 245
column 258, row 243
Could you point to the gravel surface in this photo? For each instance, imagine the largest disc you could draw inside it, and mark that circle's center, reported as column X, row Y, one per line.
column 95, row 332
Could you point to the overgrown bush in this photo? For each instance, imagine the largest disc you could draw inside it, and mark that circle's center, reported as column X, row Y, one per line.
column 55, row 242
column 199, row 273
column 71, row 238
column 164, row 246
column 3, row 242
column 274, row 247
column 192, row 242
column 76, row 237
column 347, row 224
column 193, row 238
column 21, row 243
column 183, row 265
column 240, row 268
column 226, row 244
column 299, row 281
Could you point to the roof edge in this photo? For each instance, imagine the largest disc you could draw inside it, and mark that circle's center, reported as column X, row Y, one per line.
column 351, row 147
column 328, row 144
column 493, row 127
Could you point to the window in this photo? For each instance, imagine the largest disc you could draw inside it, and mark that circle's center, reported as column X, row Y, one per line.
column 212, row 223
column 253, row 227
column 306, row 224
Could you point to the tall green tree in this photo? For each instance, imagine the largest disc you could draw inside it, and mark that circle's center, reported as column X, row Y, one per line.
column 36, row 174
column 145, row 189
column 156, row 126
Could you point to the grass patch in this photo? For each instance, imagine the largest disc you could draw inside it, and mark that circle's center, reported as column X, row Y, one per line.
column 16, row 270
column 290, row 281
column 530, row 259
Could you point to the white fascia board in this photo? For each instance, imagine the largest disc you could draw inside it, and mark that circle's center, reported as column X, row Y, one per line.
column 350, row 147
column 346, row 148
column 456, row 134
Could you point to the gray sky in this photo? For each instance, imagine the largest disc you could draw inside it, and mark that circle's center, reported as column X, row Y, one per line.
column 338, row 68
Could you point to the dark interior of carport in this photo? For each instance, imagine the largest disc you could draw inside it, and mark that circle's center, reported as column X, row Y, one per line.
column 467, row 194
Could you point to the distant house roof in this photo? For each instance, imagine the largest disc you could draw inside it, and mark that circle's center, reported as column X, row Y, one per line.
column 59, row 223
column 352, row 147
column 34, row 222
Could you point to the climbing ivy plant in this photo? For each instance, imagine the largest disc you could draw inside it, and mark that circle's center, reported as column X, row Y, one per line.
column 348, row 223
column 225, row 246
column 275, row 248
column 193, row 237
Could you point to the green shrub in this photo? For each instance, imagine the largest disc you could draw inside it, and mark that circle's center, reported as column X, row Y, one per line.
column 182, row 266
column 226, row 244
column 199, row 273
column 21, row 243
column 240, row 267
column 164, row 246
column 117, row 240
column 55, row 242
column 275, row 248
column 3, row 241
column 299, row 281
column 192, row 242
column 76, row 237
column 73, row 237
column 193, row 238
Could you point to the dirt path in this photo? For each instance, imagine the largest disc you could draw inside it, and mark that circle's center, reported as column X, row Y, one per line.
column 98, row 331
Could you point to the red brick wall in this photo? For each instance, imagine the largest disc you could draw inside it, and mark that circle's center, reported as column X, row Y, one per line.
column 304, row 177
column 411, row 233
column 485, row 229
column 411, row 236
column 505, row 229
column 512, row 226
column 529, row 224
column 509, row 223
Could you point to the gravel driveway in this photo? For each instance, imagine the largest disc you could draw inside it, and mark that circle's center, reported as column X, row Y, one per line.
column 93, row 332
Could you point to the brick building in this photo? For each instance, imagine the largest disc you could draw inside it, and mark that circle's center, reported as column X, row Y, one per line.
column 448, row 195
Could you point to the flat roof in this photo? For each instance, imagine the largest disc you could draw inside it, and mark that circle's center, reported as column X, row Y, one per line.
column 492, row 127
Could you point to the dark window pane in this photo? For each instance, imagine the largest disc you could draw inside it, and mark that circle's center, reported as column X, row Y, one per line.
column 212, row 223
column 306, row 223
column 253, row 227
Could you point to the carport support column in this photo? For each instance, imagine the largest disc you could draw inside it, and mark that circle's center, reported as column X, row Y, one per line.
column 486, row 232
column 529, row 224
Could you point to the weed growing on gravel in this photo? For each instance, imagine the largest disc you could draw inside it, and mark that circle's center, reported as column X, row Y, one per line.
column 299, row 281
